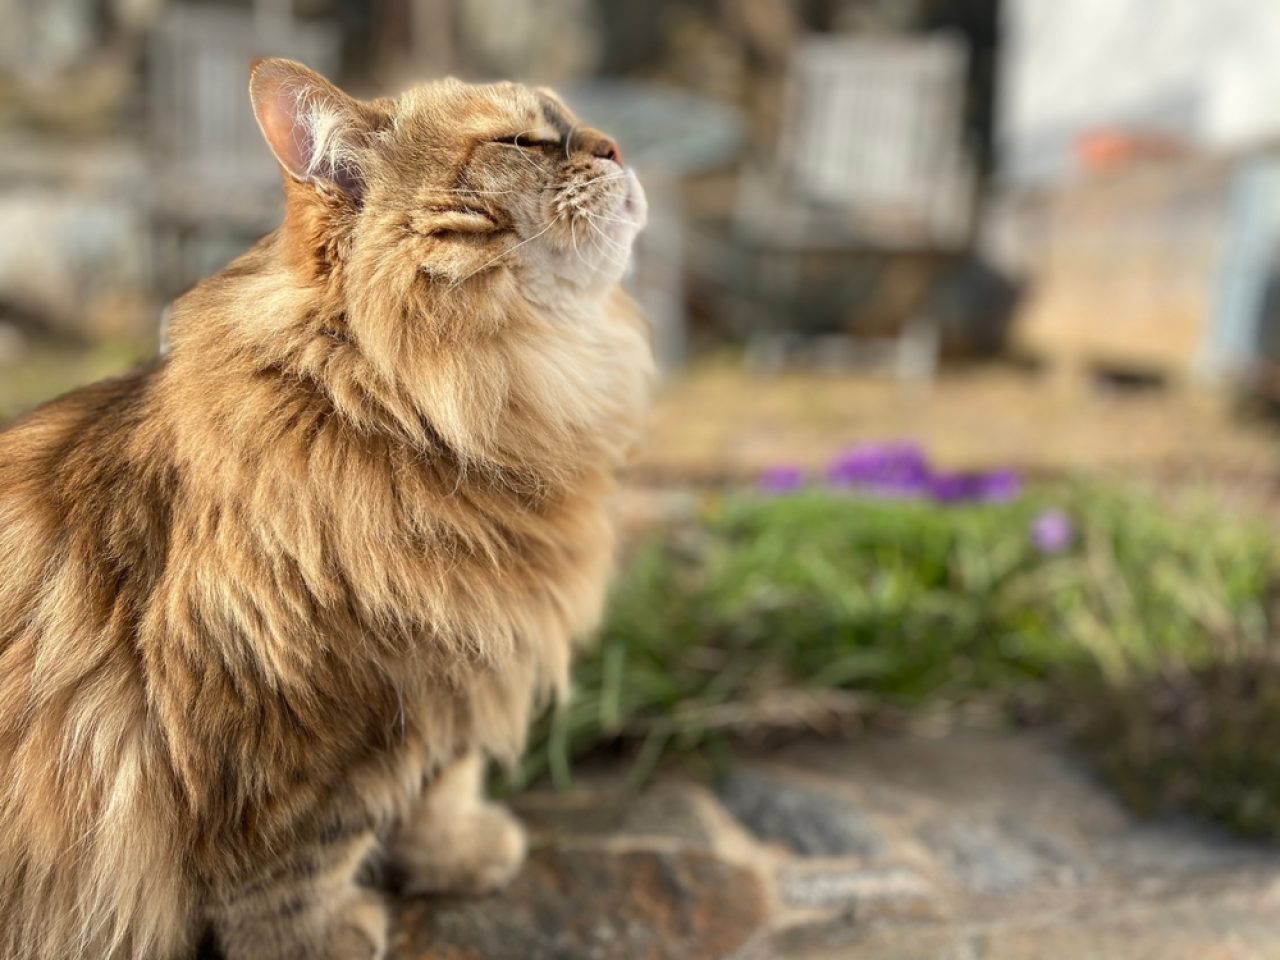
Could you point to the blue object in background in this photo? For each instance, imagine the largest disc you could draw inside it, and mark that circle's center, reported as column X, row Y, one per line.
column 1245, row 334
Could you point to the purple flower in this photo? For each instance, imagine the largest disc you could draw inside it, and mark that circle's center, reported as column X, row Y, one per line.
column 996, row 486
column 1000, row 486
column 889, row 469
column 955, row 487
column 901, row 469
column 1052, row 531
column 782, row 479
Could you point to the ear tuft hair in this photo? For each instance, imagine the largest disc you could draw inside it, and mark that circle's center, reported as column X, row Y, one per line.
column 313, row 128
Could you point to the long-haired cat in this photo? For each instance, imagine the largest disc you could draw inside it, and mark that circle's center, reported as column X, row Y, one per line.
column 271, row 601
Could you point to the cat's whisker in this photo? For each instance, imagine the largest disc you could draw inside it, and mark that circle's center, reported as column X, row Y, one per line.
column 480, row 193
column 620, row 221
column 621, row 247
column 563, row 188
column 620, row 262
column 522, row 151
column 619, row 257
column 577, row 249
column 474, row 192
column 505, row 253
column 589, row 263
column 623, row 221
column 603, row 178
column 618, row 265
column 574, row 191
column 594, row 265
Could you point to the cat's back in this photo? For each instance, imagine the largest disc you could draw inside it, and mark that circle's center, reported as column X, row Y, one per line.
column 78, row 487
column 49, row 438
column 82, row 536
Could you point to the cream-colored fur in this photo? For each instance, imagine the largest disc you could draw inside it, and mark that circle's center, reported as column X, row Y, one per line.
column 457, row 842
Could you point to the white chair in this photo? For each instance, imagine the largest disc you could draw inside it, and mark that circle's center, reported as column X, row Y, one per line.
column 871, row 159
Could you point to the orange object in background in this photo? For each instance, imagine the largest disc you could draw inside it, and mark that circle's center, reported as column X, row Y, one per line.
column 1106, row 149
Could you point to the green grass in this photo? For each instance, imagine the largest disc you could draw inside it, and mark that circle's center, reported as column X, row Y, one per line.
column 785, row 611
column 1201, row 740
column 48, row 371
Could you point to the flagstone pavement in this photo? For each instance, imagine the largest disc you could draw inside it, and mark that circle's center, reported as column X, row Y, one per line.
column 969, row 846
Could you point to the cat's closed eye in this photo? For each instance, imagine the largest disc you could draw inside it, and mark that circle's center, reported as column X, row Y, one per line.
column 436, row 221
column 531, row 141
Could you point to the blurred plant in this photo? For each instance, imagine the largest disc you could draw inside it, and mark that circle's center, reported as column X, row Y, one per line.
column 817, row 609
column 1200, row 739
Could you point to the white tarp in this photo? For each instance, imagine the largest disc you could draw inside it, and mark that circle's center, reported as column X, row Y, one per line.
column 1206, row 70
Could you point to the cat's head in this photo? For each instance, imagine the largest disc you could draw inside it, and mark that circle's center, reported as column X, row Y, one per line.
column 449, row 189
column 448, row 258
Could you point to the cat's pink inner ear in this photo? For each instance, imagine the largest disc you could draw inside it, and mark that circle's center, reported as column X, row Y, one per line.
column 278, row 90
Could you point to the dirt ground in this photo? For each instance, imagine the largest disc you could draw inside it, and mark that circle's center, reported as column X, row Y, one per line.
column 716, row 424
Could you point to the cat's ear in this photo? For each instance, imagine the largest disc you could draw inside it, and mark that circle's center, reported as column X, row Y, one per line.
column 313, row 128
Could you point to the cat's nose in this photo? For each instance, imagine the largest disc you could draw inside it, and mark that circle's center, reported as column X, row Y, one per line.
column 607, row 149
column 598, row 145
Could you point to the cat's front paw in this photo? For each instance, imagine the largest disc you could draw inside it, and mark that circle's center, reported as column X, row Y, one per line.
column 289, row 923
column 360, row 930
column 479, row 851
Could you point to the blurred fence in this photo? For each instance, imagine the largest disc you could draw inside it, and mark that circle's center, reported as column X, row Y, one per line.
column 872, row 165
column 214, row 186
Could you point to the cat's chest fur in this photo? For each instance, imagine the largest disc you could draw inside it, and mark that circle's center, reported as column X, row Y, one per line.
column 356, row 605
column 372, row 611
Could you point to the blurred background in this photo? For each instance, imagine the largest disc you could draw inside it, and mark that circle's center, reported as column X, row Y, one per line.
column 968, row 315
column 1016, row 230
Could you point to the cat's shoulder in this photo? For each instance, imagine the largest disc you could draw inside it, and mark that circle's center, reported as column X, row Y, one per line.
column 92, row 413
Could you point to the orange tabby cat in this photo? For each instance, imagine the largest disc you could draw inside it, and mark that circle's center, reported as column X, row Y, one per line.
column 334, row 548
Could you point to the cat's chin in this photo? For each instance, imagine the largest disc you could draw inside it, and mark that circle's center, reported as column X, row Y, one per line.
column 583, row 276
column 602, row 255
column 635, row 204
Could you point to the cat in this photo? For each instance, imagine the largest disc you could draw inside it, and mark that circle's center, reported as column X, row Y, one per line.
column 270, row 604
